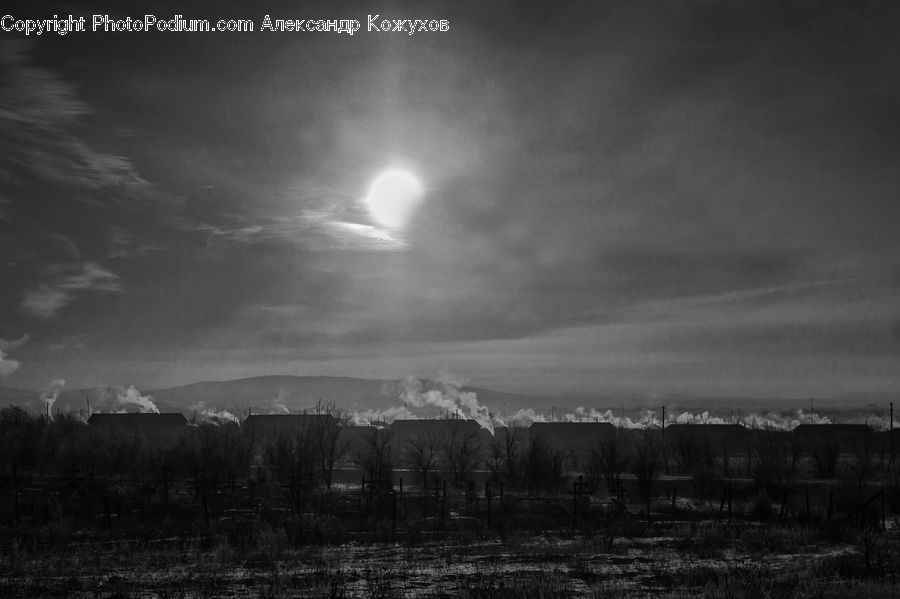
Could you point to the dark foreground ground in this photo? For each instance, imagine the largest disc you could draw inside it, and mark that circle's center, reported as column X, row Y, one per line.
column 698, row 559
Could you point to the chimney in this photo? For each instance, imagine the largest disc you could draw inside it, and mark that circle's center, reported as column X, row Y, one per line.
column 87, row 400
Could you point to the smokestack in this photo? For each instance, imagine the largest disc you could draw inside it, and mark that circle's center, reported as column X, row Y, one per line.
column 87, row 400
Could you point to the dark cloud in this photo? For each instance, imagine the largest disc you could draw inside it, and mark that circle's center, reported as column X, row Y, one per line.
column 616, row 195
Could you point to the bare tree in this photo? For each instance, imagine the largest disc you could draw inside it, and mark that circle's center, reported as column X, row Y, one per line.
column 503, row 453
column 690, row 451
column 332, row 445
column 460, row 448
column 374, row 455
column 542, row 464
column 17, row 433
column 647, row 464
column 825, row 456
column 421, row 454
column 773, row 457
column 608, row 460
column 863, row 464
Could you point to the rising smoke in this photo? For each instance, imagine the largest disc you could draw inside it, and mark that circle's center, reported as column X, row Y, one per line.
column 129, row 397
column 445, row 394
column 50, row 394
column 205, row 415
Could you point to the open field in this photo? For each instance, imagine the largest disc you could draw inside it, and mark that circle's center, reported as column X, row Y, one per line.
column 236, row 511
column 673, row 560
column 365, row 542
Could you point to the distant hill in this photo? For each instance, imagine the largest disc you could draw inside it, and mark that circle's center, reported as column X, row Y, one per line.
column 263, row 394
column 10, row 396
column 267, row 393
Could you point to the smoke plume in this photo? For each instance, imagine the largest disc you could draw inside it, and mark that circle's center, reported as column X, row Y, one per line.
column 49, row 395
column 380, row 417
column 132, row 397
column 212, row 416
column 277, row 403
column 447, row 396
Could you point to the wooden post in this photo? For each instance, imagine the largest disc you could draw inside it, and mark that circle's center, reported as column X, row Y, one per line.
column 394, row 512
column 784, row 503
column 729, row 501
column 574, row 504
column 891, row 433
column 807, row 504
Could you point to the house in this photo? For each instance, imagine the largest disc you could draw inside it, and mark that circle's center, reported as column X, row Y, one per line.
column 847, row 437
column 444, row 428
column 261, row 426
column 156, row 425
column 719, row 439
column 574, row 436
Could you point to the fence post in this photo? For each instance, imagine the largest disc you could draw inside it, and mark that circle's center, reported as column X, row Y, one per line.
column 807, row 505
column 574, row 503
column 394, row 514
column 729, row 501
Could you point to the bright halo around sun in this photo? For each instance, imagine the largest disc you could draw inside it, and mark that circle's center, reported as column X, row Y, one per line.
column 393, row 197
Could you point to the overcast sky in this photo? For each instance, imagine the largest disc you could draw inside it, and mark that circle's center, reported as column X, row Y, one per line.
column 694, row 197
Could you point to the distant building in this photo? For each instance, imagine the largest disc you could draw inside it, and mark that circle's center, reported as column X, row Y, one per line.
column 517, row 436
column 267, row 425
column 577, row 436
column 443, row 431
column 719, row 438
column 441, row 426
column 848, row 437
column 171, row 423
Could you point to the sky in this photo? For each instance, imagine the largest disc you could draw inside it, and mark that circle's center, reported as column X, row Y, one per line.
column 618, row 198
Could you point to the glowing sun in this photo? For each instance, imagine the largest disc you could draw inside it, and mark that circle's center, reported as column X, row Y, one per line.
column 393, row 197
